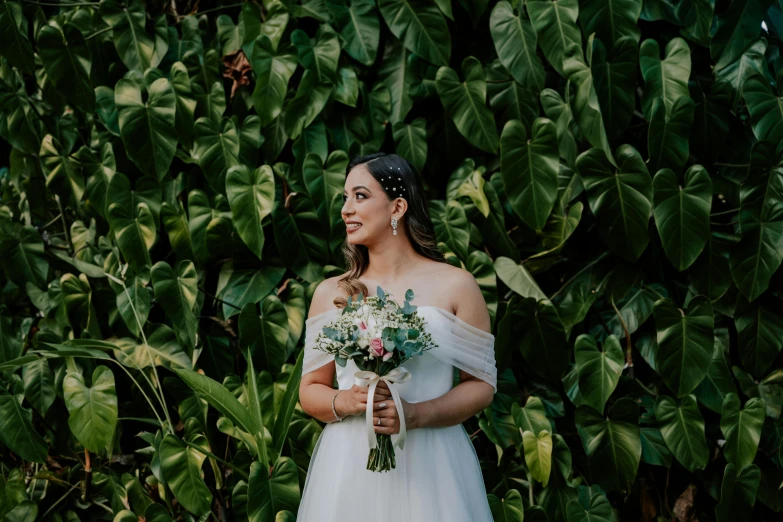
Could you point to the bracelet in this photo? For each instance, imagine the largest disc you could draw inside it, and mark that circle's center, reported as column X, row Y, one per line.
column 335, row 411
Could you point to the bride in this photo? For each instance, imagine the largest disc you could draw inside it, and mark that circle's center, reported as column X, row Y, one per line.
column 391, row 242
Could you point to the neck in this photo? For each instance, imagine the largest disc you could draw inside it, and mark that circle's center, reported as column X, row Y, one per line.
column 390, row 259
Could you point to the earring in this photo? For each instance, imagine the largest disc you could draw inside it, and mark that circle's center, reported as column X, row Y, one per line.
column 394, row 225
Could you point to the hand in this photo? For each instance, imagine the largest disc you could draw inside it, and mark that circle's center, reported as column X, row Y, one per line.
column 387, row 412
column 354, row 400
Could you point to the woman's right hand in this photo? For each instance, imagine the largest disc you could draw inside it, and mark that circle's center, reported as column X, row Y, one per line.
column 354, row 400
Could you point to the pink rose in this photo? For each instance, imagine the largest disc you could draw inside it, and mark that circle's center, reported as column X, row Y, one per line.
column 376, row 347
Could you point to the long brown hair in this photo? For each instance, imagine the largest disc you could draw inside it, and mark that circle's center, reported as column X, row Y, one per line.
column 416, row 221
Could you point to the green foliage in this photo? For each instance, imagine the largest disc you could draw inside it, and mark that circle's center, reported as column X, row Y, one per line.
column 610, row 172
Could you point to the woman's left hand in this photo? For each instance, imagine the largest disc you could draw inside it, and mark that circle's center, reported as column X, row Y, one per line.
column 387, row 413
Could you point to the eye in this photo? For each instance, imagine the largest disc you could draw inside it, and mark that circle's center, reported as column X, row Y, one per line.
column 357, row 195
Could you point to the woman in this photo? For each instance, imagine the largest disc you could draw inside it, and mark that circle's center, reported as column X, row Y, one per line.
column 391, row 242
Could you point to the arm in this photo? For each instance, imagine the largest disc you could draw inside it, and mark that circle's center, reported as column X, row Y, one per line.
column 316, row 388
column 471, row 395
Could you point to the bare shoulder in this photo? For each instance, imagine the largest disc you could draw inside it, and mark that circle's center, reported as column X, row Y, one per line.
column 469, row 301
column 324, row 295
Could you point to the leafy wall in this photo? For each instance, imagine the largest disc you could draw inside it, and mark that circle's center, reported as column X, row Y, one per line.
column 171, row 173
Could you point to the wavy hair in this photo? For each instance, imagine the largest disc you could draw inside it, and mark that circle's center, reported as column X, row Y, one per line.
column 416, row 221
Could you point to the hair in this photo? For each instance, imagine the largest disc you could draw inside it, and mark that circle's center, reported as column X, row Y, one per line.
column 416, row 221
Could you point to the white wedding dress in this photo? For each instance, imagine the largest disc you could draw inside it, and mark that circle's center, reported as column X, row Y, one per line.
column 437, row 476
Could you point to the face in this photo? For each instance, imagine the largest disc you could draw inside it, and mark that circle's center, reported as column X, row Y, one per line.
column 365, row 202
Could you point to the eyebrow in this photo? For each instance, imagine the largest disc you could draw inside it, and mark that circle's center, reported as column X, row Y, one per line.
column 357, row 187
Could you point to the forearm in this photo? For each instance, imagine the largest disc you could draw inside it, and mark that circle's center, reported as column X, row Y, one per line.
column 316, row 401
column 454, row 407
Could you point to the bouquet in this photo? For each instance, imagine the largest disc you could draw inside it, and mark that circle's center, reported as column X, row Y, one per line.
column 378, row 335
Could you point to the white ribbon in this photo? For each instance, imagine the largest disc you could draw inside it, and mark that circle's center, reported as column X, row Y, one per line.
column 369, row 378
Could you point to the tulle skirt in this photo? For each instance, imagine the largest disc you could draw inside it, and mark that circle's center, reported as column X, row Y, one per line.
column 437, row 478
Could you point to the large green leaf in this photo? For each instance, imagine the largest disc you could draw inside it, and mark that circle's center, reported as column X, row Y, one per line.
column 359, row 26
column 517, row 278
column 736, row 28
column 612, row 445
column 712, row 390
column 738, row 493
column 599, row 372
column 268, row 495
column 181, row 466
column 696, row 16
column 320, row 56
column 515, row 43
column 666, row 79
column 265, row 336
column 300, row 235
column 148, row 127
column 765, row 108
column 667, row 139
column 133, row 303
column 39, row 385
column 621, row 198
column 734, row 74
column 759, row 333
column 251, row 195
column 92, row 409
column 538, row 454
column 67, row 60
column 555, row 24
column 177, row 293
column 599, row 510
column 685, row 343
column 610, row 20
column 310, row 99
column 77, row 298
column 508, row 509
column 14, row 44
column 529, row 164
column 614, row 81
column 586, row 106
column 544, row 328
column 216, row 149
column 62, row 173
column 220, row 398
column 23, row 254
column 16, row 427
column 451, row 226
column 760, row 251
column 273, row 70
column 465, row 102
column 135, row 46
column 742, row 429
column 411, row 141
column 162, row 349
column 682, row 213
column 682, row 428
column 396, row 74
column 420, row 26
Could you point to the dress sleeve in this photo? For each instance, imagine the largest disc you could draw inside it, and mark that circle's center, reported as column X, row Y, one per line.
column 314, row 359
column 463, row 345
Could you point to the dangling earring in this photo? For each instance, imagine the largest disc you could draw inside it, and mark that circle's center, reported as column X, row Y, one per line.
column 394, row 225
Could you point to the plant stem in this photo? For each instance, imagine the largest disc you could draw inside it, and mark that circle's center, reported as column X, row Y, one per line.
column 733, row 165
column 218, row 8
column 530, row 489
column 65, row 225
column 212, row 455
column 96, row 33
column 235, row 307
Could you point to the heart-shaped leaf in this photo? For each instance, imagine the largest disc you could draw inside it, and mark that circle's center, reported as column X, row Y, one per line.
column 621, row 198
column 134, row 45
column 148, row 128
column 742, row 429
column 421, row 28
column 555, row 24
column 251, row 196
column 667, row 139
column 182, row 469
column 465, row 102
column 682, row 428
column 682, row 213
column 177, row 293
column 515, row 43
column 92, row 410
column 538, row 455
column 529, row 165
column 599, row 372
column 738, row 493
column 16, row 425
column 67, row 60
column 666, row 79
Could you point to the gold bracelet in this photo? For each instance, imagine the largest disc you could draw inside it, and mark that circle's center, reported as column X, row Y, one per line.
column 335, row 411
